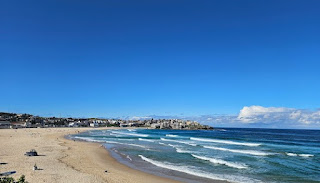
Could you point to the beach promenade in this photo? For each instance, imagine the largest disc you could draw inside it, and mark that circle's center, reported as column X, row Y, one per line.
column 63, row 160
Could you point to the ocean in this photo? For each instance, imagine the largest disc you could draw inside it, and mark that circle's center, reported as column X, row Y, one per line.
column 229, row 154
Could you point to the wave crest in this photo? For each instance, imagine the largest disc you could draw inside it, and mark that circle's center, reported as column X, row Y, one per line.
column 225, row 142
column 251, row 152
column 221, row 162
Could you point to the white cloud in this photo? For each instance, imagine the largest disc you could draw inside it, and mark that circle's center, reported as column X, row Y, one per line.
column 139, row 117
column 257, row 116
column 268, row 115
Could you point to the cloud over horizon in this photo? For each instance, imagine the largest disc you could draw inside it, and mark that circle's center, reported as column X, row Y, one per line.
column 260, row 117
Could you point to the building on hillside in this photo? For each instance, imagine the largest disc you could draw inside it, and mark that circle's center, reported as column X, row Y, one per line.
column 94, row 124
column 5, row 124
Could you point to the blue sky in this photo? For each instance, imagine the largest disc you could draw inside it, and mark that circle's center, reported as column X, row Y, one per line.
column 165, row 58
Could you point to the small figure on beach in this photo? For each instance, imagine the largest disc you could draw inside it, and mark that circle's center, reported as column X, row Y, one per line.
column 35, row 167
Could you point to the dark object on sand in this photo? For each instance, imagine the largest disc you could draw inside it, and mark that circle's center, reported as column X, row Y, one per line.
column 31, row 153
column 7, row 173
column 106, row 171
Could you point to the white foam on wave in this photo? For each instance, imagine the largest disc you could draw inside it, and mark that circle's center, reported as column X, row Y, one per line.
column 126, row 139
column 183, row 169
column 136, row 145
column 147, row 140
column 131, row 134
column 291, row 154
column 88, row 139
column 163, row 144
column 301, row 155
column 179, row 141
column 225, row 142
column 174, row 146
column 221, row 162
column 179, row 150
column 131, row 130
column 116, row 135
column 251, row 152
column 129, row 157
column 112, row 142
column 169, row 135
column 195, row 172
column 306, row 155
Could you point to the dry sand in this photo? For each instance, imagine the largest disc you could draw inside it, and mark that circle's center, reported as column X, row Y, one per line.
column 63, row 160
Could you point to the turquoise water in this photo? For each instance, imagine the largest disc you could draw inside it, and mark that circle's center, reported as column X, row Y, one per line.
column 234, row 155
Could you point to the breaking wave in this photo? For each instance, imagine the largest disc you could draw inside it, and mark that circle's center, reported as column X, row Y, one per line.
column 225, row 142
column 251, row 152
column 131, row 134
column 178, row 141
column 88, row 139
column 195, row 172
column 301, row 155
column 221, row 162
column 169, row 135
column 147, row 140
column 113, row 142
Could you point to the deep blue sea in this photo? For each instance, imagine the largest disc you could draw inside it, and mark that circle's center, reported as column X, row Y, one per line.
column 234, row 155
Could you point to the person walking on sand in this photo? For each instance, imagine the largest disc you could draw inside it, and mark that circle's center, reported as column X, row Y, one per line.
column 35, row 167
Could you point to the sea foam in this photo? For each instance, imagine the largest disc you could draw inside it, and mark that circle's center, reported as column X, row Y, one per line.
column 183, row 169
column 131, row 134
column 169, row 135
column 136, row 145
column 147, row 140
column 179, row 141
column 301, row 155
column 195, row 172
column 88, row 139
column 221, row 162
column 257, row 153
column 225, row 142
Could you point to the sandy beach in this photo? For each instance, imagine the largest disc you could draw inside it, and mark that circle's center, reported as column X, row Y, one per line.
column 63, row 160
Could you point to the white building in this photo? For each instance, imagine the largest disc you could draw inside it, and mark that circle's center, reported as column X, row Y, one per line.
column 94, row 124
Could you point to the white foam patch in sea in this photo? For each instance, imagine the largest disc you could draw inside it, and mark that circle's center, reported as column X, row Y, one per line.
column 136, row 145
column 163, row 144
column 195, row 172
column 224, row 142
column 116, row 135
column 251, row 152
column 128, row 157
column 131, row 134
column 179, row 150
column 88, row 139
column 169, row 135
column 179, row 141
column 301, row 155
column 221, row 162
column 146, row 140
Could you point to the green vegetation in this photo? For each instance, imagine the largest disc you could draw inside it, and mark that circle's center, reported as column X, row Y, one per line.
column 22, row 179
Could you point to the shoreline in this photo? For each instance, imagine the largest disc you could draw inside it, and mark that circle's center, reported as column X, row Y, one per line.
column 64, row 160
column 176, row 176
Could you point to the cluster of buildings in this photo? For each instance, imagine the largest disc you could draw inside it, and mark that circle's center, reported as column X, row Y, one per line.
column 13, row 120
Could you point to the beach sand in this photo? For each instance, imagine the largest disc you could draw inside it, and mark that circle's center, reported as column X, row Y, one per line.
column 63, row 160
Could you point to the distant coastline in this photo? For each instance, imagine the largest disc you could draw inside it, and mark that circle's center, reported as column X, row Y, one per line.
column 14, row 120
